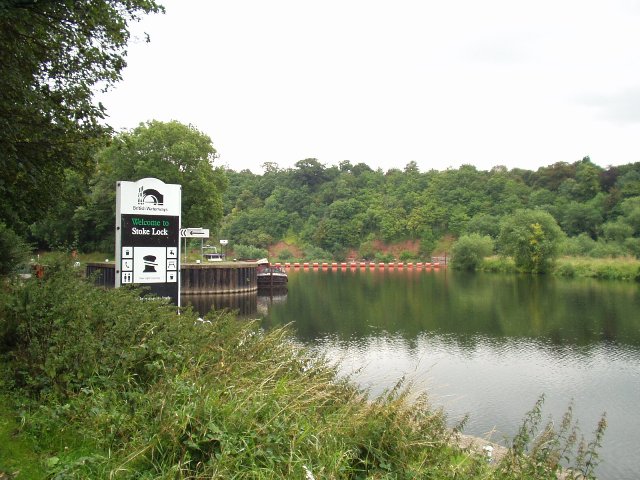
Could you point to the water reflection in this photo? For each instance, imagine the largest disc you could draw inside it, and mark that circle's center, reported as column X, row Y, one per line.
column 487, row 345
column 269, row 297
column 246, row 305
column 356, row 304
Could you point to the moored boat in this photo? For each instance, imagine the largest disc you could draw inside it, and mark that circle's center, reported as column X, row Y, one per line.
column 270, row 276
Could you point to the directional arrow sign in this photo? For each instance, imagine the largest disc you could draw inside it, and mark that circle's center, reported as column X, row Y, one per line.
column 194, row 232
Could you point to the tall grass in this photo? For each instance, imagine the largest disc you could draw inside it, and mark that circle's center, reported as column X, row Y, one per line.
column 603, row 268
column 108, row 386
column 498, row 264
column 580, row 267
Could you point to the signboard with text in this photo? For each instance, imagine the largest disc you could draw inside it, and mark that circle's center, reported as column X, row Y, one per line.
column 194, row 233
column 148, row 236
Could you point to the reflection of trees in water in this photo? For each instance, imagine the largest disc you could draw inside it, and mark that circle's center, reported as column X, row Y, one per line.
column 466, row 306
column 245, row 304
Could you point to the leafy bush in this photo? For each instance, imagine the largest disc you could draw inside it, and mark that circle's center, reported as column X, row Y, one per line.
column 285, row 255
column 249, row 252
column 604, row 249
column 14, row 251
column 384, row 257
column 406, row 256
column 367, row 250
column 633, row 246
column 63, row 334
column 565, row 270
column 428, row 243
column 617, row 230
column 315, row 254
column 579, row 245
column 469, row 251
column 484, row 224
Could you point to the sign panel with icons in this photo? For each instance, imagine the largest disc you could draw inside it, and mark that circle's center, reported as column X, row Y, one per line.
column 148, row 236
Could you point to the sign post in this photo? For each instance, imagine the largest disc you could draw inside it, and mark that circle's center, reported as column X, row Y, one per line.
column 193, row 232
column 148, row 236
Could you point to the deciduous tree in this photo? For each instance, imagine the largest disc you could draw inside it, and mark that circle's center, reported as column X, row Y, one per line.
column 170, row 151
column 532, row 237
column 53, row 57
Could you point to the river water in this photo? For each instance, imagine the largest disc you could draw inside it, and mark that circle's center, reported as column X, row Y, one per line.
column 485, row 345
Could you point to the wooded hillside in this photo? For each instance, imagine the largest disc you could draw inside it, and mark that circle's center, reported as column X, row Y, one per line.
column 332, row 210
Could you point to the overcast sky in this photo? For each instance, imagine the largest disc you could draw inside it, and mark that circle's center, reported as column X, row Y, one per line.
column 446, row 83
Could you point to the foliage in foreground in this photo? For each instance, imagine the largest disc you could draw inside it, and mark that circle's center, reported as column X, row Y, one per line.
column 109, row 386
column 53, row 58
column 14, row 251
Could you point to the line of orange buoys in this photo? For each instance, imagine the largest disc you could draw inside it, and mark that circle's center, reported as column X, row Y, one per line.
column 362, row 265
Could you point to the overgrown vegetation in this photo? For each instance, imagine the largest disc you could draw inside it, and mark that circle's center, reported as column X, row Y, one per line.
column 14, row 250
column 104, row 385
column 603, row 268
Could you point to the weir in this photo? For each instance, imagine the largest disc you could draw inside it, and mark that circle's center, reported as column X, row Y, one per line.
column 195, row 279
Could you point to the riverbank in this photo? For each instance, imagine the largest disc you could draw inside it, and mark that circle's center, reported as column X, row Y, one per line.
column 625, row 269
column 106, row 386
column 621, row 268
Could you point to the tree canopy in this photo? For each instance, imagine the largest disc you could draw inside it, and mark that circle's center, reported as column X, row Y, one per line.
column 343, row 208
column 54, row 55
column 170, row 151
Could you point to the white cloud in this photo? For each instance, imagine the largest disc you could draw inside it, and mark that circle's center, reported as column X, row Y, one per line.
column 620, row 107
column 385, row 83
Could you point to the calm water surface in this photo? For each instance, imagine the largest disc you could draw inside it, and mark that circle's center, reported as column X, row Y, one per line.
column 486, row 345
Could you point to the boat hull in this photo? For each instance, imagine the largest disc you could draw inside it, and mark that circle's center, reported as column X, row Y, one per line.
column 272, row 280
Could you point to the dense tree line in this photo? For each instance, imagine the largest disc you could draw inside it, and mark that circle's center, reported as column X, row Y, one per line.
column 342, row 208
column 331, row 212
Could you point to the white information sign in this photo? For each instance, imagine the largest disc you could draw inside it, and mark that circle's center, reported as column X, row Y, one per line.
column 148, row 236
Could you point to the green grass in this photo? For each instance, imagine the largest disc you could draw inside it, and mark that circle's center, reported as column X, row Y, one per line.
column 624, row 269
column 107, row 386
column 497, row 264
column 18, row 456
column 603, row 268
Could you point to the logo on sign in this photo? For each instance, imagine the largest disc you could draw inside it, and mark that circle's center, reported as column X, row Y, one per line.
column 149, row 263
column 150, row 196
